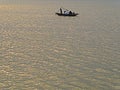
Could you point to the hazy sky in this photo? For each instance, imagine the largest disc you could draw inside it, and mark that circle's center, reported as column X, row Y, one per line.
column 57, row 1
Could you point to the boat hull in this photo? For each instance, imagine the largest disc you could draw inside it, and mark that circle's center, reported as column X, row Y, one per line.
column 59, row 14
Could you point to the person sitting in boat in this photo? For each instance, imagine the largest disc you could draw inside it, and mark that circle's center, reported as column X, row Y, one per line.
column 70, row 12
column 73, row 12
column 66, row 12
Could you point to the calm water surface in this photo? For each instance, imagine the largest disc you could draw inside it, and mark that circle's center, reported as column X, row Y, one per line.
column 42, row 51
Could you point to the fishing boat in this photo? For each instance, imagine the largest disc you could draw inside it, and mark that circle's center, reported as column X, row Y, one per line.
column 65, row 12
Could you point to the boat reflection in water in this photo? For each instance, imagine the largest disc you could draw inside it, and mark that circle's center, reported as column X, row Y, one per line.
column 65, row 12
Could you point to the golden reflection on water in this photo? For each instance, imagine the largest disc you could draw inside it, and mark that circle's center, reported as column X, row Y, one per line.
column 8, row 7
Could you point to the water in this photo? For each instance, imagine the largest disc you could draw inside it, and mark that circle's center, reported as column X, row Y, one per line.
column 42, row 51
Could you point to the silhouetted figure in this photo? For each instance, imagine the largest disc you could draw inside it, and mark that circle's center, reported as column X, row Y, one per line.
column 60, row 10
column 70, row 12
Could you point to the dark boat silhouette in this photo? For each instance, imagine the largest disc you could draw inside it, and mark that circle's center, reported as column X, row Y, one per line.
column 65, row 12
column 59, row 14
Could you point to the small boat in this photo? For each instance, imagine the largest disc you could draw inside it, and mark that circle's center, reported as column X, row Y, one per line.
column 66, row 12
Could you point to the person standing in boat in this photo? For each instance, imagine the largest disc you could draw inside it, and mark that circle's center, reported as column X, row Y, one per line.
column 60, row 10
